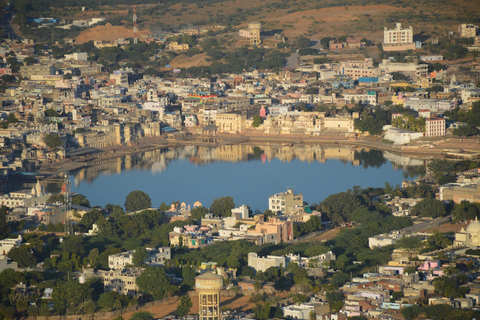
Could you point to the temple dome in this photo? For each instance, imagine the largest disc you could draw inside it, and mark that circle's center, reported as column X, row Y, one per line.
column 474, row 227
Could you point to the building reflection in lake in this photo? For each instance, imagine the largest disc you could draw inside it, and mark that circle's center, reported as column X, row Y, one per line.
column 158, row 160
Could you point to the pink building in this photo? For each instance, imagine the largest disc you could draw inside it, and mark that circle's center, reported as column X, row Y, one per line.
column 263, row 112
column 428, row 265
column 283, row 229
column 434, row 127
column 334, row 45
column 5, row 71
column 191, row 228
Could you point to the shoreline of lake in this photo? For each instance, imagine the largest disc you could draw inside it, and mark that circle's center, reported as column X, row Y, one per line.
column 426, row 149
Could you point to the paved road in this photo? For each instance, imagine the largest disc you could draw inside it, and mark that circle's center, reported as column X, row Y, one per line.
column 292, row 61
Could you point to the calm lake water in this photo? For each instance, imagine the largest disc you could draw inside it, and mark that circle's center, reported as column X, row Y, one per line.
column 248, row 174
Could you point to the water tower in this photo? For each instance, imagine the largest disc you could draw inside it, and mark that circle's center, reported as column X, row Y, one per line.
column 254, row 29
column 208, row 286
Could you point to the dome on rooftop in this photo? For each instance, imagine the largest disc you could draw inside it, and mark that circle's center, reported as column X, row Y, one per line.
column 474, row 227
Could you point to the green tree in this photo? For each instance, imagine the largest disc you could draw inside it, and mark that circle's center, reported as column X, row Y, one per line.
column 465, row 131
column 29, row 61
column 184, row 307
column 57, row 197
column 339, row 206
column 437, row 241
column 153, row 281
column 222, row 207
column 51, row 113
column 23, row 256
column 299, row 298
column 4, row 228
column 465, row 210
column 198, row 213
column 262, row 311
column 137, row 200
column 139, row 257
column 430, row 208
column 303, row 42
column 411, row 313
column 108, row 301
column 12, row 118
column 53, row 141
column 90, row 218
column 257, row 121
column 69, row 297
column 142, row 315
column 188, row 275
column 335, row 299
column 440, row 168
column 80, row 200
column 164, row 207
column 448, row 287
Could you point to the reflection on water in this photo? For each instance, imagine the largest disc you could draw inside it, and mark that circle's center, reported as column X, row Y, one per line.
column 248, row 173
column 157, row 160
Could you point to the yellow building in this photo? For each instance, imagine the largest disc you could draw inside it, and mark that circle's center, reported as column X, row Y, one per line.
column 230, row 122
column 178, row 46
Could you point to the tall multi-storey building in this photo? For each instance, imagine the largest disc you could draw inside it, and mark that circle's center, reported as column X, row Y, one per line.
column 398, row 35
column 398, row 39
column 284, row 201
column 434, row 127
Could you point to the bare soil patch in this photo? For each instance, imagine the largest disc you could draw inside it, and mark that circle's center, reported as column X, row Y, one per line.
column 107, row 33
column 187, row 62
column 327, row 235
column 332, row 19
column 448, row 227
column 239, row 303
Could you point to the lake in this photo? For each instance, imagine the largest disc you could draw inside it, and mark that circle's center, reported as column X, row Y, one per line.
column 249, row 174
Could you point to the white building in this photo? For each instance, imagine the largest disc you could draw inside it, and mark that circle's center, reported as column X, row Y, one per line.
column 302, row 311
column 284, row 201
column 435, row 105
column 263, row 263
column 400, row 136
column 156, row 257
column 241, row 212
column 412, row 69
column 369, row 98
column 7, row 244
column 383, row 240
column 77, row 56
column 398, row 35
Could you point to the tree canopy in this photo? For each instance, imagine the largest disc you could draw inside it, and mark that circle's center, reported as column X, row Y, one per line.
column 154, row 282
column 137, row 200
column 222, row 207
column 430, row 208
